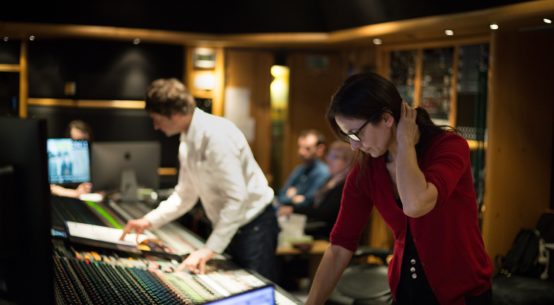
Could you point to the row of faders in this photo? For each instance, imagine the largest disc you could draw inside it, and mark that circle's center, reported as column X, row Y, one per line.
column 85, row 282
column 98, row 279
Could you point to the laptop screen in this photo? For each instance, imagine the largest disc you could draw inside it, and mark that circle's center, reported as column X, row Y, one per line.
column 68, row 161
column 258, row 296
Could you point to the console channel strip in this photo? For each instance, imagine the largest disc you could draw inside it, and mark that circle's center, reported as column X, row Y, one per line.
column 94, row 213
column 91, row 278
column 74, row 210
column 177, row 236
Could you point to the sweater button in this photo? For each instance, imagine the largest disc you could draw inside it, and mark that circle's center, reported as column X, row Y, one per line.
column 413, row 261
column 412, row 269
column 414, row 276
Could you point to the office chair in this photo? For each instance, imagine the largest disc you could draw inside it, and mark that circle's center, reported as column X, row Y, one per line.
column 363, row 284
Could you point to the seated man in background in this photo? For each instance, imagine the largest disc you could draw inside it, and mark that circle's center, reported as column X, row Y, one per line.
column 77, row 130
column 323, row 209
column 309, row 176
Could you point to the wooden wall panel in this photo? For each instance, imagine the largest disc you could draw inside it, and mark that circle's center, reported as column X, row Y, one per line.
column 314, row 77
column 519, row 121
column 362, row 59
column 251, row 69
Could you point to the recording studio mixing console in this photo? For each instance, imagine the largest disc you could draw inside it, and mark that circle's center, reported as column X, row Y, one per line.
column 88, row 275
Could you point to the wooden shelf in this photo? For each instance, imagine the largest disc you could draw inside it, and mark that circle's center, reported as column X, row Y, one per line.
column 110, row 104
column 9, row 68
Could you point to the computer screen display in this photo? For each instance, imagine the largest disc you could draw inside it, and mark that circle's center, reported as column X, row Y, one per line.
column 68, row 161
column 258, row 296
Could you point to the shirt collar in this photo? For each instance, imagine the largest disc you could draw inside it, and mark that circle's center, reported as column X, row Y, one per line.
column 195, row 128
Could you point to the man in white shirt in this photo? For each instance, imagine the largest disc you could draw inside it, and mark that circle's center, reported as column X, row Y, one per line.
column 217, row 166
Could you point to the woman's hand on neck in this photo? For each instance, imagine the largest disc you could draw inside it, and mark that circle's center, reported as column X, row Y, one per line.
column 407, row 132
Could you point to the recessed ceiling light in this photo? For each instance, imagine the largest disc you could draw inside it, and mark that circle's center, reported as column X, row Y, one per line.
column 136, row 41
column 449, row 32
column 546, row 20
column 377, row 41
column 493, row 26
column 32, row 38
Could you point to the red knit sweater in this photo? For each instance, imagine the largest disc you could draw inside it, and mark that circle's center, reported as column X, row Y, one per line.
column 447, row 239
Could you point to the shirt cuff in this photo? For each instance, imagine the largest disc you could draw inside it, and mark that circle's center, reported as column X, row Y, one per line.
column 217, row 244
column 155, row 219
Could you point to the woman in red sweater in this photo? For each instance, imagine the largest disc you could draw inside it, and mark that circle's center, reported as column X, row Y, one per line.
column 418, row 176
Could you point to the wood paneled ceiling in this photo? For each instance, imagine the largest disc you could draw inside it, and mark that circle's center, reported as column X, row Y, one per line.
column 285, row 23
column 236, row 17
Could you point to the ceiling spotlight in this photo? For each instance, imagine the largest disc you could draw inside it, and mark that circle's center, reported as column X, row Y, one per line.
column 449, row 32
column 32, row 38
column 493, row 26
column 546, row 20
column 136, row 41
column 377, row 41
column 6, row 38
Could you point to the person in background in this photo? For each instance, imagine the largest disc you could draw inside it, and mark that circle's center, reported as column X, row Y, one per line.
column 310, row 175
column 323, row 209
column 217, row 166
column 77, row 130
column 418, row 176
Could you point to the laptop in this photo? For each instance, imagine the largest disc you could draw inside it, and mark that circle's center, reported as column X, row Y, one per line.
column 264, row 295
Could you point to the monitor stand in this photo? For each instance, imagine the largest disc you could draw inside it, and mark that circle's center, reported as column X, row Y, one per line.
column 128, row 186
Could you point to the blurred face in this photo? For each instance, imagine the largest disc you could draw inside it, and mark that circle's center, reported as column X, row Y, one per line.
column 168, row 125
column 374, row 138
column 308, row 149
column 335, row 162
column 77, row 134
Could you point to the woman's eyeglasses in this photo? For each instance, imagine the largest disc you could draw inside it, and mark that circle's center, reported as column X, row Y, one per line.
column 355, row 134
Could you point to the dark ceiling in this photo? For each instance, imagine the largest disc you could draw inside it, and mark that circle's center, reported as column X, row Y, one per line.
column 241, row 16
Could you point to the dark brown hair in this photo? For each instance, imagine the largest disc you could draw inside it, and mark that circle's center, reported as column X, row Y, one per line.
column 368, row 96
column 81, row 126
column 320, row 137
column 169, row 96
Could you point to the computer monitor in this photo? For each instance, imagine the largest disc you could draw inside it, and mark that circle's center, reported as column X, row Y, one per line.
column 264, row 295
column 124, row 166
column 26, row 268
column 68, row 161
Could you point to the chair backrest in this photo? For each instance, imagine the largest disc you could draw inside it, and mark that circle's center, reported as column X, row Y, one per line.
column 364, row 284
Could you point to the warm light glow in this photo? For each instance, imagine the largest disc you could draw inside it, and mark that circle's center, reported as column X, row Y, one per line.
column 136, row 41
column 204, row 80
column 279, row 91
column 279, row 71
column 546, row 20
column 494, row 26
column 377, row 41
column 449, row 32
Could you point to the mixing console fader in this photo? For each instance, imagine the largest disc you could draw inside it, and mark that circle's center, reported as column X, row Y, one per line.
column 86, row 274
column 91, row 278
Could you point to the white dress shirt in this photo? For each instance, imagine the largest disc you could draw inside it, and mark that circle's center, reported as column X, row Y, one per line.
column 217, row 165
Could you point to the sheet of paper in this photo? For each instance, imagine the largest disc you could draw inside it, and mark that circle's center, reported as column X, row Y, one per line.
column 100, row 233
